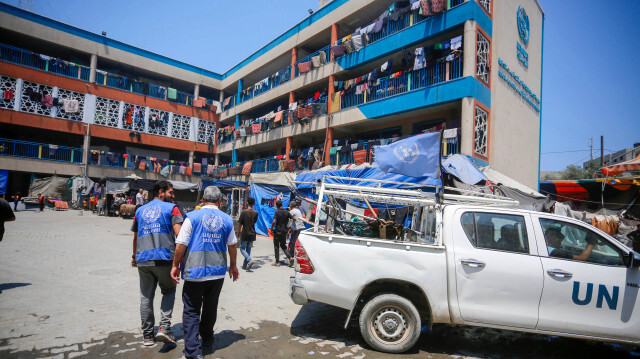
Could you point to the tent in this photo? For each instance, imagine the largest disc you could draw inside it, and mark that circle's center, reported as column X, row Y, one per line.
column 631, row 165
column 51, row 187
column 4, row 175
column 267, row 188
column 222, row 183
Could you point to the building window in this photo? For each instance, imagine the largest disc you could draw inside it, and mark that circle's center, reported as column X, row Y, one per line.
column 482, row 58
column 181, row 126
column 70, row 95
column 8, row 84
column 32, row 98
column 158, row 122
column 133, row 117
column 206, row 131
column 480, row 130
column 107, row 112
column 486, row 4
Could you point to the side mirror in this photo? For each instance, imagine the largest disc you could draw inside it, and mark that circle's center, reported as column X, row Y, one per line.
column 631, row 259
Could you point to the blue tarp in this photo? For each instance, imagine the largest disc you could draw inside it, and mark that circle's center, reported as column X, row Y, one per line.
column 260, row 192
column 463, row 168
column 360, row 177
column 223, row 183
column 4, row 176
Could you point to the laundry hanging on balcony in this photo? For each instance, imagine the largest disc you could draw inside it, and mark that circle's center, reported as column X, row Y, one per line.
column 172, row 94
column 70, row 106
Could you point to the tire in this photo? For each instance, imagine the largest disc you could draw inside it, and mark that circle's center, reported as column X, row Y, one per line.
column 390, row 323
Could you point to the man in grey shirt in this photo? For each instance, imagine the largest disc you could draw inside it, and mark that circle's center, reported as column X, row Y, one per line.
column 297, row 227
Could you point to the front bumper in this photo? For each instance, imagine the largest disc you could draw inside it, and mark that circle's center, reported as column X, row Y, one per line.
column 297, row 293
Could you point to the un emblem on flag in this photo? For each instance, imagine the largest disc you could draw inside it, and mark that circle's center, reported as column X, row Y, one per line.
column 406, row 153
column 151, row 214
column 211, row 222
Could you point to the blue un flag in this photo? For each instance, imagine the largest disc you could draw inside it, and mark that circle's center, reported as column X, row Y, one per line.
column 416, row 156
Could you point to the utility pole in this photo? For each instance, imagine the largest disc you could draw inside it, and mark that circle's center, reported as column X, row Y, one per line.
column 601, row 151
column 591, row 148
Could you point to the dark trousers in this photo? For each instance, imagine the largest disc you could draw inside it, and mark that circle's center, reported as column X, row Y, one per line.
column 280, row 241
column 197, row 296
column 292, row 242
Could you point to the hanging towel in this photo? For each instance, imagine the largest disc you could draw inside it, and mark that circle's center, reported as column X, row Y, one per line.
column 188, row 171
column 226, row 101
column 71, row 106
column 278, row 117
column 255, row 128
column 450, row 133
column 337, row 50
column 183, row 170
column 197, row 167
column 304, row 67
column 386, row 67
column 47, row 101
column 438, row 6
column 456, row 42
column 172, row 94
column 315, row 61
column 246, row 168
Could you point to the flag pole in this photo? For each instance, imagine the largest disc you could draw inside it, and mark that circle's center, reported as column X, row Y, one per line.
column 440, row 195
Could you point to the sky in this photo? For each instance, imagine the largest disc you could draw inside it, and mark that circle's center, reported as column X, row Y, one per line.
column 590, row 70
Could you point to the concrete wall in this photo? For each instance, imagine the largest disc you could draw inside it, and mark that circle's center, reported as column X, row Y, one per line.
column 75, row 169
column 514, row 137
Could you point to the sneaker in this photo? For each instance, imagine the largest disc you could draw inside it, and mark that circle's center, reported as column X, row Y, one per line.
column 291, row 262
column 250, row 264
column 165, row 336
column 148, row 340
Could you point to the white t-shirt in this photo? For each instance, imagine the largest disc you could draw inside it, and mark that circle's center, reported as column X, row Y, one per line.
column 185, row 236
column 139, row 199
column 297, row 216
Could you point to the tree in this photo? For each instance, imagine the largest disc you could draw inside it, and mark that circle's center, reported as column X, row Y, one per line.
column 573, row 172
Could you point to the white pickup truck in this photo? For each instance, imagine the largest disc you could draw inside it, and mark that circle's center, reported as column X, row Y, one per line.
column 475, row 265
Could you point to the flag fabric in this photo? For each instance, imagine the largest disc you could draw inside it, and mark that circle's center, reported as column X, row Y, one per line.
column 416, row 156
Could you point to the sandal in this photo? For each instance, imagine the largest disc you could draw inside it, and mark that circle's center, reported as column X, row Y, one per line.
column 276, row 264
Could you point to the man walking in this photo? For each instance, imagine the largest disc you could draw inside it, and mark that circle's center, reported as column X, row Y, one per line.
column 280, row 229
column 139, row 199
column 247, row 232
column 297, row 227
column 201, row 254
column 154, row 228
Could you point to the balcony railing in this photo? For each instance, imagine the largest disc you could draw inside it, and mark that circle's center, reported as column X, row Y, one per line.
column 326, row 50
column 277, row 79
column 42, row 62
column 57, row 66
column 41, row 151
column 406, row 82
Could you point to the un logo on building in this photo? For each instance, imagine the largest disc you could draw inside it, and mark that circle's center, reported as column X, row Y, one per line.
column 407, row 153
column 523, row 25
column 151, row 214
column 212, row 222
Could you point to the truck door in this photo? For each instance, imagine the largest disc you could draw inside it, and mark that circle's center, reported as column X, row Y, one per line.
column 586, row 290
column 498, row 272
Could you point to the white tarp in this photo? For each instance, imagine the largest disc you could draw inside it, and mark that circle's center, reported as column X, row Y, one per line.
column 114, row 187
column 498, row 177
column 276, row 178
column 181, row 185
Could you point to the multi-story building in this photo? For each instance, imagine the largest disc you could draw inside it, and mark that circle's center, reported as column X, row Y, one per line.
column 354, row 74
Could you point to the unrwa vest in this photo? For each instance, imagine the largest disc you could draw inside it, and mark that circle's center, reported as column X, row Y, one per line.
column 207, row 251
column 155, row 232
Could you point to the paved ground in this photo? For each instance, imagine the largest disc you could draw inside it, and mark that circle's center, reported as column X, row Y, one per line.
column 68, row 291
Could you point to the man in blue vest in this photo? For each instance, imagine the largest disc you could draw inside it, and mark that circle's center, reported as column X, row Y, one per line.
column 201, row 255
column 154, row 228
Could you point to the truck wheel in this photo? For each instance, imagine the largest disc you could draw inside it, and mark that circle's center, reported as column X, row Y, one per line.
column 390, row 323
